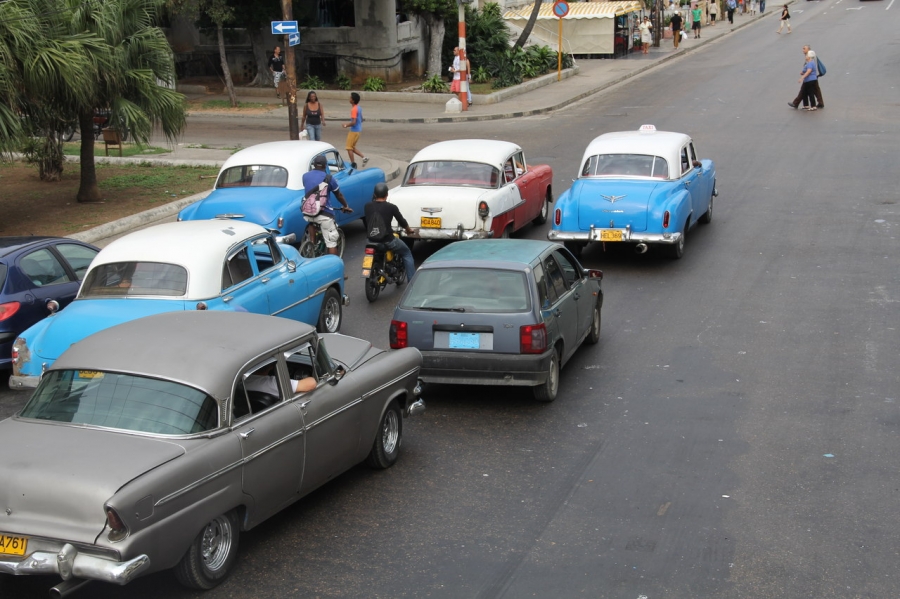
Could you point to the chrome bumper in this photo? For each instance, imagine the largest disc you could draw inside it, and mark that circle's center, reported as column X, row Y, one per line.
column 345, row 300
column 68, row 563
column 628, row 236
column 23, row 382
column 450, row 234
column 416, row 407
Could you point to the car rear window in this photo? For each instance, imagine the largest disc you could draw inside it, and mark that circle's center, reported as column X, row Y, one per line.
column 625, row 165
column 253, row 176
column 122, row 401
column 468, row 290
column 446, row 172
column 121, row 279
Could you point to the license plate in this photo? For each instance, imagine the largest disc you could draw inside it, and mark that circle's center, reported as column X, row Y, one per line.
column 13, row 545
column 367, row 261
column 464, row 340
column 610, row 235
column 431, row 222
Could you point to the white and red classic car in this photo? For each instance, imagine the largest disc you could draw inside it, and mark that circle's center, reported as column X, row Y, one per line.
column 472, row 189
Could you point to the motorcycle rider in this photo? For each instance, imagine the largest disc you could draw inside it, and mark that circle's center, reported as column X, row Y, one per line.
column 379, row 215
column 325, row 218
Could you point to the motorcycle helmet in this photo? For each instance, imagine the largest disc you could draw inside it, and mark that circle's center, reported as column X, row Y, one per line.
column 381, row 190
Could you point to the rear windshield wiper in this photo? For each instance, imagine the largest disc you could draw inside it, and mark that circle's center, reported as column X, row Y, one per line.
column 435, row 309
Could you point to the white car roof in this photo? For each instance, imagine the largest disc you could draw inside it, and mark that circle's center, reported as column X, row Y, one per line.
column 665, row 144
column 485, row 151
column 200, row 246
column 294, row 156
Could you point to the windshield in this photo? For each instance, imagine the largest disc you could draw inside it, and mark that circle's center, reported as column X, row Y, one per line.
column 121, row 279
column 468, row 290
column 122, row 401
column 469, row 174
column 253, row 176
column 627, row 165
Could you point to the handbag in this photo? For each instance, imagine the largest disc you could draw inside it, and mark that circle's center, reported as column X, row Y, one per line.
column 820, row 66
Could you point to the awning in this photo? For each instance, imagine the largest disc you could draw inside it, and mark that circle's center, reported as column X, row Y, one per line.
column 578, row 10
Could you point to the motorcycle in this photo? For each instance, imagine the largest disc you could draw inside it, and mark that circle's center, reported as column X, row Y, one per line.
column 381, row 266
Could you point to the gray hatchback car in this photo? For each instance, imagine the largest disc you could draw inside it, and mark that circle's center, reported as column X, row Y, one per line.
column 499, row 312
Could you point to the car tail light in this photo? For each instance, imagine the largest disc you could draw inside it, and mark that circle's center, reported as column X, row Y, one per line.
column 17, row 347
column 399, row 335
column 483, row 209
column 666, row 220
column 280, row 222
column 533, row 339
column 8, row 309
column 370, row 250
column 557, row 216
column 117, row 528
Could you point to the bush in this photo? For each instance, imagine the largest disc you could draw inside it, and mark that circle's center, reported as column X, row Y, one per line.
column 343, row 82
column 480, row 75
column 434, row 84
column 374, row 84
column 312, row 83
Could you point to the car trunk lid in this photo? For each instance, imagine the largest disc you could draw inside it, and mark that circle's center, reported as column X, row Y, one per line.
column 453, row 205
column 259, row 205
column 613, row 204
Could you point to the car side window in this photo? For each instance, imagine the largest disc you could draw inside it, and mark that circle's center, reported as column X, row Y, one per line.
column 266, row 253
column 237, row 268
column 693, row 152
column 519, row 162
column 78, row 257
column 556, row 282
column 685, row 162
column 257, row 389
column 306, row 361
column 42, row 268
column 509, row 171
column 571, row 272
column 540, row 281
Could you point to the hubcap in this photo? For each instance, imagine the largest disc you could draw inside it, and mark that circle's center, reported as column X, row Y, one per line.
column 332, row 314
column 216, row 543
column 390, row 433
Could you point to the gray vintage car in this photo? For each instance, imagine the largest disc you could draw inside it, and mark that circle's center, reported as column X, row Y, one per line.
column 152, row 444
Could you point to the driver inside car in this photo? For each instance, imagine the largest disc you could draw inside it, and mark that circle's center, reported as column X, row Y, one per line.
column 265, row 381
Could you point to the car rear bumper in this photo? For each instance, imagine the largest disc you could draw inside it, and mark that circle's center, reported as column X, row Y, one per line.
column 23, row 382
column 450, row 234
column 69, row 563
column 628, row 236
column 477, row 368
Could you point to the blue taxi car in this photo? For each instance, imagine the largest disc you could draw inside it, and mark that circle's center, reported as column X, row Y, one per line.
column 204, row 265
column 645, row 187
column 263, row 184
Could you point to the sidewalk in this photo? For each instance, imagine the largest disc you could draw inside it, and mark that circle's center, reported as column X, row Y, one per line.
column 590, row 78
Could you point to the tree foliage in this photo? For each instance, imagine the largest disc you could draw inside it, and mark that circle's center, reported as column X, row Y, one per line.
column 435, row 13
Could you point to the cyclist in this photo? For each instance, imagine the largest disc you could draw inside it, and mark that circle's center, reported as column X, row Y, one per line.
column 379, row 216
column 325, row 218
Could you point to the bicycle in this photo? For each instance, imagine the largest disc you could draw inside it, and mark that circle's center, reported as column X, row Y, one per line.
column 312, row 245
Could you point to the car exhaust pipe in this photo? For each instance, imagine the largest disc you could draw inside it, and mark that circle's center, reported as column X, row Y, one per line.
column 641, row 248
column 67, row 587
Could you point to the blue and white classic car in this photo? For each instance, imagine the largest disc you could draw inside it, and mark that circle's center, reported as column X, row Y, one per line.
column 263, row 184
column 204, row 265
column 644, row 187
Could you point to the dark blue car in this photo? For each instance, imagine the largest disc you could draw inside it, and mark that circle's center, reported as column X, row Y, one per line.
column 33, row 271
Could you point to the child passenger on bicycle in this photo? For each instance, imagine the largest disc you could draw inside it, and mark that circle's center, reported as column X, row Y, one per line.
column 325, row 218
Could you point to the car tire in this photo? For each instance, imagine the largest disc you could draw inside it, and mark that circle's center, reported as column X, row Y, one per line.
column 547, row 391
column 541, row 218
column 676, row 250
column 210, row 556
column 386, row 447
column 707, row 216
column 575, row 247
column 594, row 334
column 372, row 288
column 506, row 232
column 330, row 315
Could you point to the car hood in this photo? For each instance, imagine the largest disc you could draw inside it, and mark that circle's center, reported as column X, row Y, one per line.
column 56, row 477
column 260, row 205
column 621, row 202
column 48, row 339
column 456, row 204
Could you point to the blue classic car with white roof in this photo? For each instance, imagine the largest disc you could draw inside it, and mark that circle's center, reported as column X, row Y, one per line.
column 644, row 187
column 204, row 265
column 263, row 184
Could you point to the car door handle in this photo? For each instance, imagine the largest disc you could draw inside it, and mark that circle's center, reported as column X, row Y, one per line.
column 228, row 298
column 304, row 404
column 687, row 183
column 265, row 279
column 576, row 296
column 557, row 312
column 246, row 434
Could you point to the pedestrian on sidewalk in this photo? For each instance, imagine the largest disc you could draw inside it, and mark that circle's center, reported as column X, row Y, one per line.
column 785, row 19
column 676, row 29
column 313, row 117
column 355, row 125
column 646, row 35
column 468, row 81
column 754, row 7
column 808, row 78
column 697, row 15
column 817, row 89
column 713, row 12
column 762, row 6
column 731, row 5
column 454, row 68
column 276, row 67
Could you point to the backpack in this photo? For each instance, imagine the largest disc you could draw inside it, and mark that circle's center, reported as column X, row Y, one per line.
column 821, row 67
column 377, row 227
column 314, row 202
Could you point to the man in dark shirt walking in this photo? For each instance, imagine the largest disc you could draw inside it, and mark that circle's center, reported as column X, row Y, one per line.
column 676, row 29
column 379, row 215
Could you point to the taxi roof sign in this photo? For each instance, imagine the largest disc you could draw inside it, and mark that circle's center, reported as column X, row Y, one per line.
column 647, row 129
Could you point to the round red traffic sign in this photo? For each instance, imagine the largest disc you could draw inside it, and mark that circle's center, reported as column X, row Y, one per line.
column 560, row 8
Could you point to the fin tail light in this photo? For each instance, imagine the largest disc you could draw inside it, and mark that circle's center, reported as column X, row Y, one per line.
column 557, row 217
column 117, row 528
column 666, row 217
column 483, row 209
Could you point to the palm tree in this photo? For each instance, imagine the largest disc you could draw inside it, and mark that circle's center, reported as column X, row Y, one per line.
column 135, row 76
column 532, row 19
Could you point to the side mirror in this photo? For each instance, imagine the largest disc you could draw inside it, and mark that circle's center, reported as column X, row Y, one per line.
column 52, row 306
column 593, row 273
column 336, row 376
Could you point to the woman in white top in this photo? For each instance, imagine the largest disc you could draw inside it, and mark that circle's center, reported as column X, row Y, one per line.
column 646, row 35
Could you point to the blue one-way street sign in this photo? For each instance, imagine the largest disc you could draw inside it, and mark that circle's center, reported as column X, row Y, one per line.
column 282, row 27
column 293, row 39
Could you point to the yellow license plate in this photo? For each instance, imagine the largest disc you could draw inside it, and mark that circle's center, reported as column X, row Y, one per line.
column 90, row 374
column 431, row 222
column 610, row 235
column 13, row 545
column 367, row 261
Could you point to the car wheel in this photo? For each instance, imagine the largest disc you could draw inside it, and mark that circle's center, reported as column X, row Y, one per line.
column 386, row 447
column 574, row 247
column 211, row 554
column 594, row 335
column 372, row 288
column 707, row 216
column 676, row 250
column 505, row 233
column 541, row 218
column 547, row 391
column 330, row 315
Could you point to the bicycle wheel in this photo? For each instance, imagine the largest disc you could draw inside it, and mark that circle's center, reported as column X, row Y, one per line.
column 340, row 243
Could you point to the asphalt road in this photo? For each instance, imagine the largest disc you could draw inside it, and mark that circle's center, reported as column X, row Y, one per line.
column 734, row 434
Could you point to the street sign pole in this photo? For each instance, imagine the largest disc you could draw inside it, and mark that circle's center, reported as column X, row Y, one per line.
column 291, row 68
column 560, row 10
